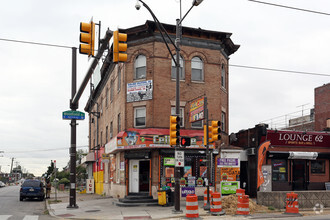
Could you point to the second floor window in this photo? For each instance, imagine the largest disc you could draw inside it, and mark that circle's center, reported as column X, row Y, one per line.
column 119, row 123
column 119, row 79
column 181, row 70
column 140, row 117
column 111, row 130
column 197, row 69
column 140, row 67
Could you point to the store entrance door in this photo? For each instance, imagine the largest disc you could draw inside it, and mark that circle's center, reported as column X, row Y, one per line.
column 139, row 177
column 299, row 174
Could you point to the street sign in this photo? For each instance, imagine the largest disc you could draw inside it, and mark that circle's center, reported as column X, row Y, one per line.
column 73, row 115
column 179, row 158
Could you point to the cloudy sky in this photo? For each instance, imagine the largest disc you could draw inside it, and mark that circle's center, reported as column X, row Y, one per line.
column 35, row 84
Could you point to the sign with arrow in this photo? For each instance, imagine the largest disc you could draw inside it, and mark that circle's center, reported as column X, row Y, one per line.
column 73, row 115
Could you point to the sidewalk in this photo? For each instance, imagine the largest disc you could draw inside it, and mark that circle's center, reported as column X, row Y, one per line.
column 93, row 206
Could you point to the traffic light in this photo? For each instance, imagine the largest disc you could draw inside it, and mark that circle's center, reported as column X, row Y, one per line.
column 215, row 131
column 119, row 49
column 185, row 141
column 87, row 37
column 174, row 130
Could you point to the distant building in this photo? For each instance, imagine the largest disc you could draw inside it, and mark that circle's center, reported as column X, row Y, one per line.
column 322, row 107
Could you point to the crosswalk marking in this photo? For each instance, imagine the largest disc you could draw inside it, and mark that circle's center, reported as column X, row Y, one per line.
column 5, row 217
column 27, row 217
column 31, row 217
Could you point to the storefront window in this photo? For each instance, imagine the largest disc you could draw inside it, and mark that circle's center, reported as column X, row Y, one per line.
column 318, row 166
column 192, row 174
column 280, row 171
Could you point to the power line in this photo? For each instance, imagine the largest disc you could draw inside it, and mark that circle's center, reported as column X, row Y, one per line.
column 289, row 7
column 35, row 43
column 39, row 150
column 241, row 66
column 280, row 70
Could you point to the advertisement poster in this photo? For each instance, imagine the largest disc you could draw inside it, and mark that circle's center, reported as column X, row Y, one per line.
column 187, row 190
column 139, row 91
column 187, row 171
column 202, row 171
column 169, row 161
column 196, row 111
column 191, row 181
column 229, row 187
column 169, row 171
column 230, row 173
column 229, row 162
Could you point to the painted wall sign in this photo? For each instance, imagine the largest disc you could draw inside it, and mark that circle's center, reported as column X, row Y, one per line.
column 196, row 111
column 139, row 91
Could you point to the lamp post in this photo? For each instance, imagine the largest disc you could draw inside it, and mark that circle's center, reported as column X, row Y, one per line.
column 176, row 60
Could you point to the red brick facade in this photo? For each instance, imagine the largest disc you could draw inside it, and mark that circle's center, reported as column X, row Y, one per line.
column 322, row 106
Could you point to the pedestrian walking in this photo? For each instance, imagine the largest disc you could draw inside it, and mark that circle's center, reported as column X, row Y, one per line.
column 48, row 188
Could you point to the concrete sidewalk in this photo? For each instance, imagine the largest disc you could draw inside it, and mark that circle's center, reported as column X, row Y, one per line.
column 93, row 206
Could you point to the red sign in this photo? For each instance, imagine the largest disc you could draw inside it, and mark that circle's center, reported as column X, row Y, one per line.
column 302, row 139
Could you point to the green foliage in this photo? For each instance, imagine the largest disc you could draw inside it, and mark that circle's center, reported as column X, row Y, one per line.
column 271, row 208
column 64, row 181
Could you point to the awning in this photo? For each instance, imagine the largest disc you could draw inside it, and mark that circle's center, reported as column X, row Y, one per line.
column 88, row 158
column 303, row 155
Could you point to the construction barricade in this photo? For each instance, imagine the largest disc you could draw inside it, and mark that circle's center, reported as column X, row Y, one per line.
column 240, row 192
column 243, row 205
column 216, row 204
column 292, row 206
column 205, row 196
column 192, row 206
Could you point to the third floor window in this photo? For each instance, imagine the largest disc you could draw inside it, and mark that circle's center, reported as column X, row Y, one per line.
column 140, row 67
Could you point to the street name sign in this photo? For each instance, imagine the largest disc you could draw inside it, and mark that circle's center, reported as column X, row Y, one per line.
column 67, row 115
column 179, row 158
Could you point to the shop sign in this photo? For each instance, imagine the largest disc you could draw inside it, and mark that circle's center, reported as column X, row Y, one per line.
column 139, row 91
column 227, row 162
column 229, row 187
column 169, row 161
column 187, row 190
column 292, row 138
column 230, row 173
column 196, row 111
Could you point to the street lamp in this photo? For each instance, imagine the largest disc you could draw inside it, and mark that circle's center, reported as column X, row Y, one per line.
column 177, row 64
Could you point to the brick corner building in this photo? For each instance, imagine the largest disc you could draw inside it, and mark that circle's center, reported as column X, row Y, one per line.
column 129, row 110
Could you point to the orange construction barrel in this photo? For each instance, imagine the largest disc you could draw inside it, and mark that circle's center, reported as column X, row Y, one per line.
column 192, row 206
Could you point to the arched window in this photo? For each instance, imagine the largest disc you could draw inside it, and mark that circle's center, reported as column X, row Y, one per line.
column 197, row 69
column 181, row 71
column 140, row 67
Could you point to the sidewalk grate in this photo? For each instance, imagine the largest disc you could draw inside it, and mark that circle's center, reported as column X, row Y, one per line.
column 94, row 210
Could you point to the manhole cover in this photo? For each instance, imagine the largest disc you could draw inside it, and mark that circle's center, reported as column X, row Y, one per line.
column 95, row 210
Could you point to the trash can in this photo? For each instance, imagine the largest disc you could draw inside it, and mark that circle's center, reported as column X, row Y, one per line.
column 161, row 197
column 170, row 197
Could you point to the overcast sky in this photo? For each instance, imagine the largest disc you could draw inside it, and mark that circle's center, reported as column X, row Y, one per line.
column 35, row 84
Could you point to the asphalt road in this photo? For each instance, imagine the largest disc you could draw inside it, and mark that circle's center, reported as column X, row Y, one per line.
column 12, row 209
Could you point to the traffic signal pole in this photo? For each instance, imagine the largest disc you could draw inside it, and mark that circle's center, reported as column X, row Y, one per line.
column 74, row 107
column 208, row 156
column 75, row 96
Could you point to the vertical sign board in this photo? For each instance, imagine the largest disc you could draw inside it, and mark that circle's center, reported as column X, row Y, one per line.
column 229, row 173
column 267, row 173
column 90, row 186
column 179, row 158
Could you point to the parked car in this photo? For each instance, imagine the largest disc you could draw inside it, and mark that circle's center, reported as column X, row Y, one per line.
column 2, row 184
column 32, row 189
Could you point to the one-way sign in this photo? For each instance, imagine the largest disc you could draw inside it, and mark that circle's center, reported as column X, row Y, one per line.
column 179, row 158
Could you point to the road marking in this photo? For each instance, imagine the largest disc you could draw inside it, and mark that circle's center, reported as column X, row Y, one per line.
column 31, row 217
column 5, row 217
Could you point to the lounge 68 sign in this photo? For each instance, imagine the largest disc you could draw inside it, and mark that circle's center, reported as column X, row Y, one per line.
column 179, row 158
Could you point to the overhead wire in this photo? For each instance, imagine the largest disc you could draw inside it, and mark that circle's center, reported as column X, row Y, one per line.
column 289, row 7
